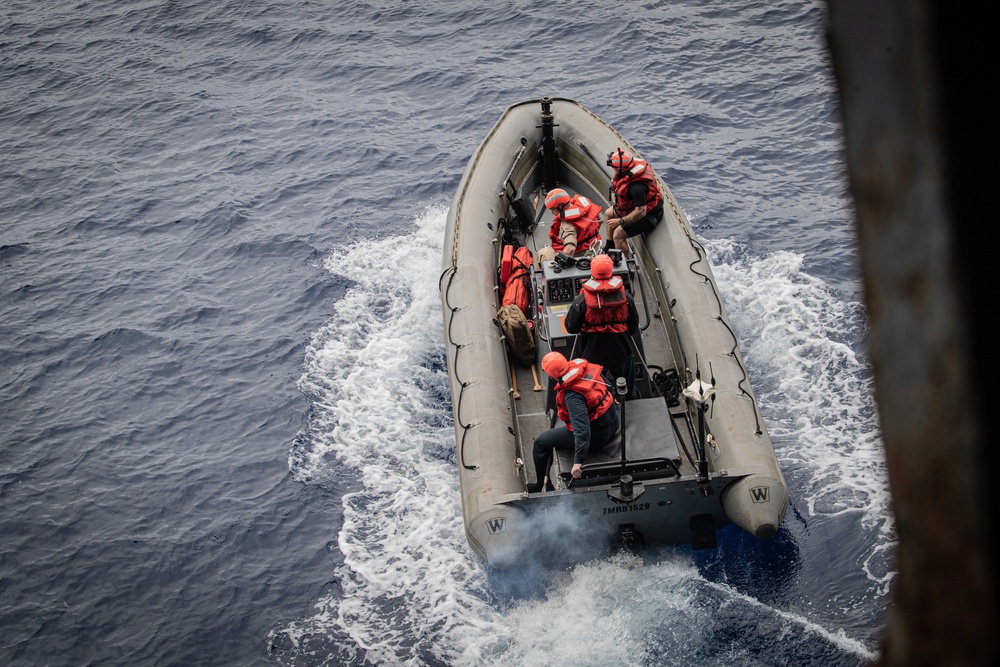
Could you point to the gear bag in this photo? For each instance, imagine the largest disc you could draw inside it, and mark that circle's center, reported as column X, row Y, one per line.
column 517, row 333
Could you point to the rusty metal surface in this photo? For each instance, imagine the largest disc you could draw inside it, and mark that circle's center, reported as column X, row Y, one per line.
column 923, row 336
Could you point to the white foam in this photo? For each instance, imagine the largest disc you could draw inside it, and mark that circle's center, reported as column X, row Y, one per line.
column 411, row 590
column 381, row 413
column 838, row 638
column 622, row 611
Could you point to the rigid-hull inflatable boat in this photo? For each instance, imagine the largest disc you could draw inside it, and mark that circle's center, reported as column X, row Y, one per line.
column 694, row 454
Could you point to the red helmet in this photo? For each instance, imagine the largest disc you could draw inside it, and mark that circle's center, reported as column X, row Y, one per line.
column 555, row 365
column 557, row 197
column 620, row 160
column 602, row 266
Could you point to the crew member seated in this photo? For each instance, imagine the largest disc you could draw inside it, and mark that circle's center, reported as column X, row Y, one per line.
column 576, row 223
column 588, row 412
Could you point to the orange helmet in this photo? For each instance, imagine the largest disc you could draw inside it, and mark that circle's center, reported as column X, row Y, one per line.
column 620, row 160
column 602, row 266
column 555, row 365
column 557, row 197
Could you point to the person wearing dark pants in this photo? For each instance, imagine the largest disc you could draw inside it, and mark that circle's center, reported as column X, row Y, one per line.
column 638, row 206
column 587, row 410
column 604, row 315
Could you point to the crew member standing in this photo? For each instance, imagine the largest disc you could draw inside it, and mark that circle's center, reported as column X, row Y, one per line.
column 604, row 314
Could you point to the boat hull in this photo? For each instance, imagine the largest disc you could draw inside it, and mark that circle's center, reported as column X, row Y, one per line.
column 493, row 431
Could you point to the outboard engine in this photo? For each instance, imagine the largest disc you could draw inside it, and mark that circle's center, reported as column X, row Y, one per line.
column 630, row 538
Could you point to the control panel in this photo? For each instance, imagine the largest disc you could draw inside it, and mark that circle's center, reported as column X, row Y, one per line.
column 563, row 280
column 564, row 289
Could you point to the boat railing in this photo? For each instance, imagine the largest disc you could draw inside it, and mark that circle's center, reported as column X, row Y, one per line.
column 640, row 272
column 609, row 472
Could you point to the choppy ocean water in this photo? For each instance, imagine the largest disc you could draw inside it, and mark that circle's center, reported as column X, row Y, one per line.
column 226, row 432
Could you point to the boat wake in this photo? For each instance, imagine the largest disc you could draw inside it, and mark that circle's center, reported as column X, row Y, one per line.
column 409, row 590
column 815, row 390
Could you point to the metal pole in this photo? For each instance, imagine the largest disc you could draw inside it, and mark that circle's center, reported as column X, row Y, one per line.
column 549, row 159
column 702, row 456
column 622, row 388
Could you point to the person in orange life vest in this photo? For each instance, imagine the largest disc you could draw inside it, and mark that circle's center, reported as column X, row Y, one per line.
column 638, row 204
column 587, row 409
column 576, row 223
column 605, row 316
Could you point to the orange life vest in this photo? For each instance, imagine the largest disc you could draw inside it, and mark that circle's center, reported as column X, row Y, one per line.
column 640, row 172
column 584, row 378
column 582, row 214
column 607, row 306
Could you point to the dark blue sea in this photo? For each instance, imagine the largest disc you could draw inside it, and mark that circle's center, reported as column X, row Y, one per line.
column 226, row 432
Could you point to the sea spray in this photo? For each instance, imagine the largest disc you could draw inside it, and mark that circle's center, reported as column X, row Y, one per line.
column 411, row 590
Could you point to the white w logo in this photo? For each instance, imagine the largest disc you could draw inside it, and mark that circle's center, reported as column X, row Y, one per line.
column 496, row 525
column 759, row 494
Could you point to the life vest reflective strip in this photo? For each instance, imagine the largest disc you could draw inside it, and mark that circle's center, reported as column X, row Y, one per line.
column 582, row 214
column 640, row 172
column 584, row 378
column 607, row 306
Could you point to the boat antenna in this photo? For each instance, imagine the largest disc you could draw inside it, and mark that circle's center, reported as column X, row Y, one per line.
column 626, row 492
column 711, row 372
column 612, row 194
column 701, row 393
column 622, row 388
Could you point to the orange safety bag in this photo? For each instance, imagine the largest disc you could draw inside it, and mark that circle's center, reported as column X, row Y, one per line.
column 517, row 288
column 505, row 261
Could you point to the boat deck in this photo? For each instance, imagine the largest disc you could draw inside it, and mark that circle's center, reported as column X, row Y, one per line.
column 654, row 431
